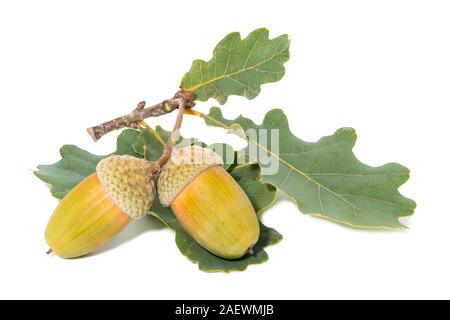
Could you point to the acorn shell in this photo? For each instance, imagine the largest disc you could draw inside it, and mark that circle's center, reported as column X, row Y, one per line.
column 100, row 206
column 85, row 219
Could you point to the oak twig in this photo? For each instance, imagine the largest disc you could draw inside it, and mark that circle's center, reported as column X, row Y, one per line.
column 140, row 113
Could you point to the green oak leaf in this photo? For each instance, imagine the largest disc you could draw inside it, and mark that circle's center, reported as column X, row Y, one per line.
column 262, row 195
column 126, row 141
column 76, row 164
column 238, row 67
column 150, row 142
column 324, row 177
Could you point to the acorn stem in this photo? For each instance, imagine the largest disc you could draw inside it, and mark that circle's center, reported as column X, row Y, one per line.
column 168, row 148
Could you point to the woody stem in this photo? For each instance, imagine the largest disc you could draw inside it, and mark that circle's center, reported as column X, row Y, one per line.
column 140, row 113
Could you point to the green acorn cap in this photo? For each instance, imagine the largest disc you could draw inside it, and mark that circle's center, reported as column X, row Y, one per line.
column 128, row 181
column 184, row 165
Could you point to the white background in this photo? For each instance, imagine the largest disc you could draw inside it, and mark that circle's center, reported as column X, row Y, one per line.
column 382, row 67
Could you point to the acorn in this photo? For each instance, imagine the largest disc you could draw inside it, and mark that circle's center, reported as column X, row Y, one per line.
column 101, row 205
column 208, row 202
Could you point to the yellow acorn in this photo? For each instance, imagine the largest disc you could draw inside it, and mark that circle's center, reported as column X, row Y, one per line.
column 101, row 205
column 208, row 202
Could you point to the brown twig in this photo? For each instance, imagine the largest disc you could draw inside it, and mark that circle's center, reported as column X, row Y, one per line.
column 140, row 113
